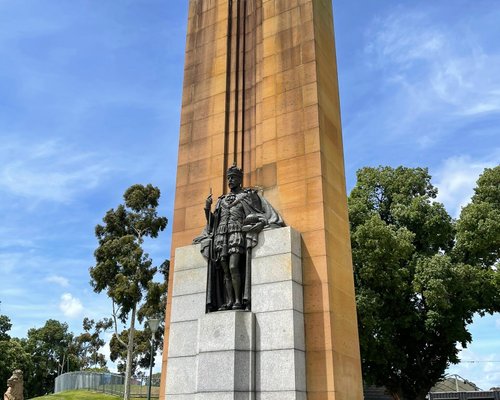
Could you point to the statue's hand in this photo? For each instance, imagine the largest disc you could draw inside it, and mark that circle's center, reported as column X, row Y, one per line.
column 208, row 202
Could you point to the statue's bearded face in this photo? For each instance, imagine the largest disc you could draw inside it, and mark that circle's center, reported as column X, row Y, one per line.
column 233, row 181
column 13, row 381
column 15, row 386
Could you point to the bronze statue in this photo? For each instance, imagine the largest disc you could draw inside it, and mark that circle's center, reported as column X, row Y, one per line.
column 227, row 241
column 15, row 386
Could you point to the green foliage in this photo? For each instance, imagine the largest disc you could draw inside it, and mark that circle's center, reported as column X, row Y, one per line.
column 154, row 305
column 122, row 267
column 5, row 326
column 478, row 229
column 142, row 349
column 415, row 296
column 52, row 350
column 13, row 356
column 90, row 342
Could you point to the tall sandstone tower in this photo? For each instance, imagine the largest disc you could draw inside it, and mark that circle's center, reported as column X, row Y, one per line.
column 261, row 90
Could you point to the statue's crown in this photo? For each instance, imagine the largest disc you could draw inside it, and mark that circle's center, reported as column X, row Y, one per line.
column 234, row 170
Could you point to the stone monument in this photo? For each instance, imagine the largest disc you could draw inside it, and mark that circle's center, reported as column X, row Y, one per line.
column 260, row 91
column 15, row 386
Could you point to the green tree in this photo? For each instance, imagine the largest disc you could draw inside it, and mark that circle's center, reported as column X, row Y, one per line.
column 478, row 229
column 90, row 342
column 53, row 351
column 13, row 356
column 122, row 267
column 414, row 297
column 153, row 306
column 5, row 326
column 12, row 353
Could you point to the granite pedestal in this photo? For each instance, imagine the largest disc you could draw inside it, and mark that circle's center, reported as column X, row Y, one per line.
column 239, row 355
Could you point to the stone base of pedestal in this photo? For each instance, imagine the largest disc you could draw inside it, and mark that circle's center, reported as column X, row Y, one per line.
column 225, row 360
column 238, row 355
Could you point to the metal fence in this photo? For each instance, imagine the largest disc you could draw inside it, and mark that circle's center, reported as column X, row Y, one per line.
column 107, row 383
column 480, row 395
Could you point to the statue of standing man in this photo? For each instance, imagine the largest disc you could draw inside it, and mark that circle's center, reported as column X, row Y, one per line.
column 232, row 231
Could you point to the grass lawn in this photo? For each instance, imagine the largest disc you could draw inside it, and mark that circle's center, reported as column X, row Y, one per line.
column 77, row 395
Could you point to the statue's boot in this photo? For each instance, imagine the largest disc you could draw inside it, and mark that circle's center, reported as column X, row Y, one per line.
column 237, row 292
column 230, row 295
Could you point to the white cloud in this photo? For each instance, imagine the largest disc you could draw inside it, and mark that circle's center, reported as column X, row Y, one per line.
column 456, row 179
column 401, row 38
column 70, row 306
column 432, row 70
column 48, row 171
column 60, row 280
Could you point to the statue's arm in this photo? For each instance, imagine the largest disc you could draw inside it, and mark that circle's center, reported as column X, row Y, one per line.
column 208, row 208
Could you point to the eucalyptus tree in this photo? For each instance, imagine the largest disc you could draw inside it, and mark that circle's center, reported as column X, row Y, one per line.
column 154, row 305
column 90, row 342
column 122, row 267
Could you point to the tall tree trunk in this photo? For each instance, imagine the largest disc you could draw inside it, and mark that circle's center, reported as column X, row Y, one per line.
column 130, row 355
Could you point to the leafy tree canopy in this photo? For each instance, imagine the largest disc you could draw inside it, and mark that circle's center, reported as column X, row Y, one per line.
column 478, row 232
column 416, row 292
column 153, row 306
column 5, row 326
column 52, row 350
column 13, row 356
column 122, row 267
column 90, row 342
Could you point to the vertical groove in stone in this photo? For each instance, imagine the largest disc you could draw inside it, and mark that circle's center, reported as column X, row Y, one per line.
column 249, row 118
column 237, row 82
column 243, row 83
column 228, row 93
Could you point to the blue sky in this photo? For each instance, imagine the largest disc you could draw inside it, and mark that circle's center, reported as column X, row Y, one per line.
column 90, row 96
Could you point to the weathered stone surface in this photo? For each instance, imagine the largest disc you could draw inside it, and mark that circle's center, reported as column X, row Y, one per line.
column 225, row 396
column 182, row 397
column 189, row 257
column 280, row 370
column 188, row 307
column 181, row 378
column 280, row 395
column 183, row 339
column 278, row 296
column 225, row 361
column 225, row 371
column 276, row 268
column 223, row 331
column 190, row 281
column 279, row 330
column 278, row 241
